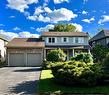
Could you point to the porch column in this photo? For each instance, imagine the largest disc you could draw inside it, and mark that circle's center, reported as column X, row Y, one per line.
column 67, row 54
column 88, row 50
column 44, row 53
column 73, row 52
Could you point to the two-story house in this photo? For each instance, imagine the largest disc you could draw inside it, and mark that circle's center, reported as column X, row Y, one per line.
column 32, row 51
column 3, row 42
column 69, row 42
column 101, row 38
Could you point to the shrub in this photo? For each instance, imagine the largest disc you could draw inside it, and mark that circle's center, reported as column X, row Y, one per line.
column 76, row 72
column 85, row 57
column 99, row 52
column 56, row 55
column 106, row 62
column 2, row 63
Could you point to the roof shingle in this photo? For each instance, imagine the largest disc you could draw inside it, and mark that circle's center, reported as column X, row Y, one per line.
column 26, row 43
column 67, row 34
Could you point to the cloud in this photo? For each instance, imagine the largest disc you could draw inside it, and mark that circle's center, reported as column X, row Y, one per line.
column 78, row 27
column 105, row 18
column 88, row 20
column 61, row 14
column 84, row 12
column 27, row 34
column 20, row 5
column 60, row 1
column 11, row 35
column 16, row 28
column 85, row 1
column 2, row 25
column 47, row 9
column 12, row 17
column 8, row 35
column 38, row 10
column 32, row 28
column 46, row 28
column 51, row 26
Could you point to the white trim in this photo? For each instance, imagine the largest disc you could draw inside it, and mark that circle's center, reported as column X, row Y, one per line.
column 8, row 59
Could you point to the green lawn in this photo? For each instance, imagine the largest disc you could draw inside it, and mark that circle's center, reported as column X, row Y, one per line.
column 47, row 85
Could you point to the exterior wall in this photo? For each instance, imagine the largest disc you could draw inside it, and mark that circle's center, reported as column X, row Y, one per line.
column 70, row 41
column 25, row 52
column 3, row 49
column 107, row 40
column 101, row 42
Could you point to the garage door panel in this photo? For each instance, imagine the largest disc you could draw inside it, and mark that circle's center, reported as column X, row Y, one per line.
column 34, row 59
column 16, row 59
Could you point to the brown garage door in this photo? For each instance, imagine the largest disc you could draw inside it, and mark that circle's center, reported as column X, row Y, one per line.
column 16, row 59
column 33, row 59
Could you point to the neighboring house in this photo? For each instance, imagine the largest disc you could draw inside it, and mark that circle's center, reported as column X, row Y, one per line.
column 3, row 42
column 32, row 51
column 101, row 38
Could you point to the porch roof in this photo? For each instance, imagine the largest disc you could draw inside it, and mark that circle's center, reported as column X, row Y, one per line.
column 69, row 47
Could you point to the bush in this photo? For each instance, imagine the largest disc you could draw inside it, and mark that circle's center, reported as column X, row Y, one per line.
column 106, row 62
column 99, row 52
column 56, row 55
column 2, row 63
column 76, row 73
column 85, row 57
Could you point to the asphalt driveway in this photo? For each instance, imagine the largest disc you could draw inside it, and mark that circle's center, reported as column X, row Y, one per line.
column 19, row 80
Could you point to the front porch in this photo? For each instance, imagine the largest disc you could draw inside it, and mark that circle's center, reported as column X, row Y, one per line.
column 69, row 51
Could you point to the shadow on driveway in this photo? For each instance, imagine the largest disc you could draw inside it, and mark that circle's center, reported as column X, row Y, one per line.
column 28, row 70
column 25, row 88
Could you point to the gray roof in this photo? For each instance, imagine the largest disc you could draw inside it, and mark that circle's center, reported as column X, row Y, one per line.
column 81, row 34
column 100, row 35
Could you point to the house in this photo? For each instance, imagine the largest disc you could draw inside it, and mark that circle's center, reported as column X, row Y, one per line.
column 3, row 42
column 101, row 38
column 32, row 51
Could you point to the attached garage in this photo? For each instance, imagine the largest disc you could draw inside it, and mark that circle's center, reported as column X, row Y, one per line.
column 33, row 59
column 27, row 52
column 16, row 59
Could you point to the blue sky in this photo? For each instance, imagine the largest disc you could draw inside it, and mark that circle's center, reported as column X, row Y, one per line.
column 28, row 18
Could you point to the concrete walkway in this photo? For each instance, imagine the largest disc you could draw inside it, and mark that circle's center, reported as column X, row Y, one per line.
column 19, row 80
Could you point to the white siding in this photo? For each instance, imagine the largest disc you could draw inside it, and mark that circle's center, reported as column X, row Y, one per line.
column 71, row 41
column 2, row 49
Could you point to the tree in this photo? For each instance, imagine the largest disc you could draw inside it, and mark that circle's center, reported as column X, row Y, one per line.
column 64, row 28
column 99, row 53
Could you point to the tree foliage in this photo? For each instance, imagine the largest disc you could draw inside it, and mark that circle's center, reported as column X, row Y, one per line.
column 64, row 28
column 99, row 53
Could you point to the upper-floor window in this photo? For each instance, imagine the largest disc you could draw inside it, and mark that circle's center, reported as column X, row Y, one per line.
column 51, row 40
column 65, row 39
column 78, row 39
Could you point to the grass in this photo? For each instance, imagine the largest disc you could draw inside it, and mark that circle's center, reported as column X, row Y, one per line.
column 47, row 85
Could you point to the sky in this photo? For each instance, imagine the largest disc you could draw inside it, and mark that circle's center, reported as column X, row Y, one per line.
column 29, row 18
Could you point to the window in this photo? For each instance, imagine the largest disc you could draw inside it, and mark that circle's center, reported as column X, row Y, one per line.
column 51, row 40
column 65, row 39
column 80, row 40
column 76, row 40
